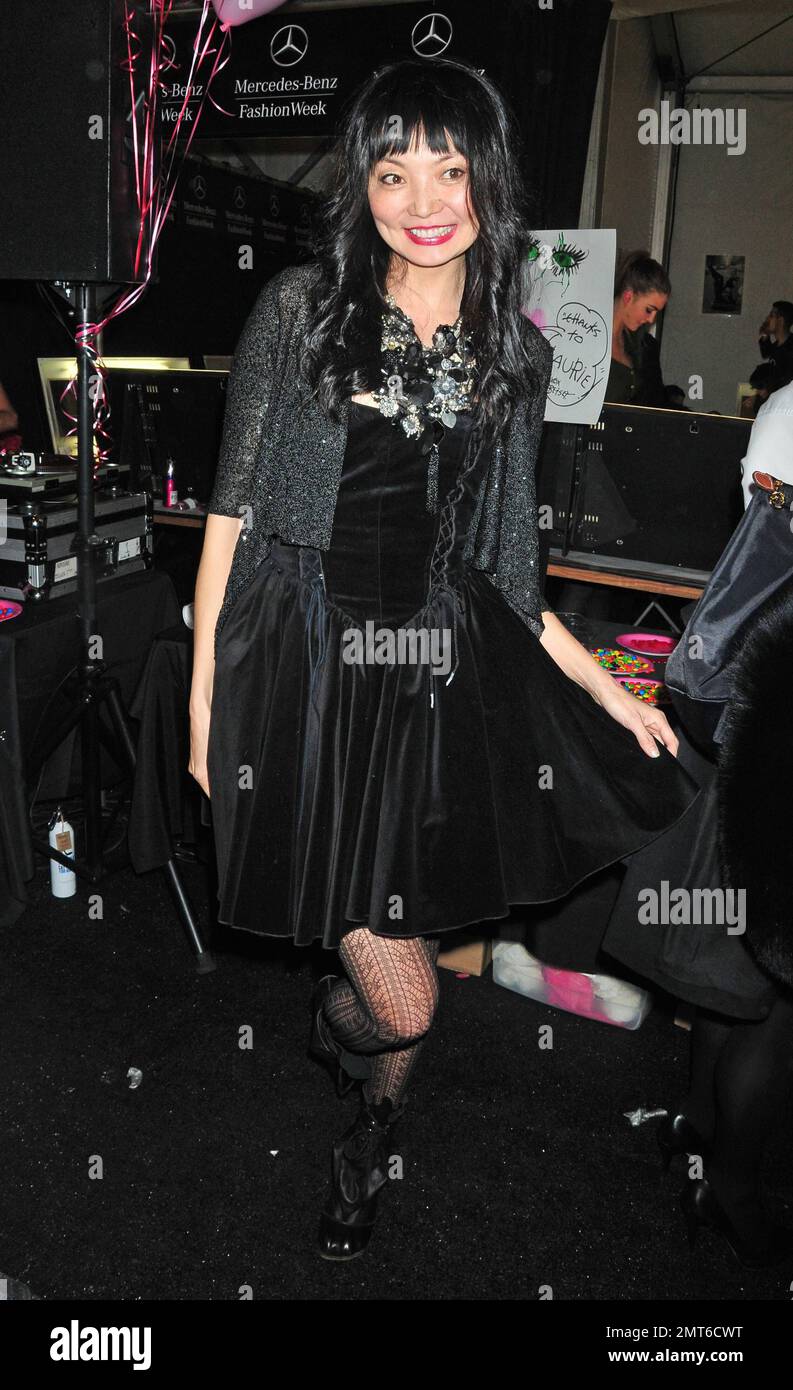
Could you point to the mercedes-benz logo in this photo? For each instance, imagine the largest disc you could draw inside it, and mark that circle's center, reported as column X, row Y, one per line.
column 275, row 206
column 288, row 45
column 238, row 197
column 431, row 35
column 199, row 186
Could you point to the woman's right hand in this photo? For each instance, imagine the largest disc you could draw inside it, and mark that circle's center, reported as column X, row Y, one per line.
column 200, row 714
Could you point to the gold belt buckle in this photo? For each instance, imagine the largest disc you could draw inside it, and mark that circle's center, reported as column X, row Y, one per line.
column 777, row 496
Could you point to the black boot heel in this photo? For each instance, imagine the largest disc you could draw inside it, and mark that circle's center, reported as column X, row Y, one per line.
column 701, row 1207
column 359, row 1171
column 348, row 1069
column 676, row 1135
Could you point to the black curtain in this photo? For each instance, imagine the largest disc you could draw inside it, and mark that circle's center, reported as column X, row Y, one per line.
column 548, row 68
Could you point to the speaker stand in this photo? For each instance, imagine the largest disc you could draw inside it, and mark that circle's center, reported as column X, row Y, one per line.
column 674, row 627
column 92, row 686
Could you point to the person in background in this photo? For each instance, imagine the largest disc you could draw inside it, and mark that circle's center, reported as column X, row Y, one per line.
column 775, row 344
column 770, row 442
column 641, row 291
column 675, row 398
column 742, row 1028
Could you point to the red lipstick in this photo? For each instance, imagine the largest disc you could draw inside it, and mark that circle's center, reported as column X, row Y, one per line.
column 445, row 230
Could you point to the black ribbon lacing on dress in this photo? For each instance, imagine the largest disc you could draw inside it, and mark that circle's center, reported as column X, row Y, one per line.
column 444, row 545
column 311, row 572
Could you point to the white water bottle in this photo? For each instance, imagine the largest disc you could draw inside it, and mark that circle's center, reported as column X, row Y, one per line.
column 63, row 881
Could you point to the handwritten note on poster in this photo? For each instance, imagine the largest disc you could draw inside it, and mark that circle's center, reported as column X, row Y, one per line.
column 567, row 283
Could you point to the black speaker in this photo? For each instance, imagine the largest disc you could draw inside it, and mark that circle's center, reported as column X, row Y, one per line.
column 67, row 174
column 642, row 492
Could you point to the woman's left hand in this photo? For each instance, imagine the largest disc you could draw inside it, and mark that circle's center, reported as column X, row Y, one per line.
column 647, row 722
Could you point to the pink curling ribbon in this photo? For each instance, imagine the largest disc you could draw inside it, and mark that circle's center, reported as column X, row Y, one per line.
column 154, row 194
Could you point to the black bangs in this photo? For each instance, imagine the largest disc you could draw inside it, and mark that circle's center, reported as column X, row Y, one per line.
column 407, row 116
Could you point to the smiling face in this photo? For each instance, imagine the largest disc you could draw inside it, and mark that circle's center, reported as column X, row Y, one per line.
column 641, row 308
column 421, row 206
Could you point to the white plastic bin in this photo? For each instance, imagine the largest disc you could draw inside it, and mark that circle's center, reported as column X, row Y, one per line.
column 600, row 997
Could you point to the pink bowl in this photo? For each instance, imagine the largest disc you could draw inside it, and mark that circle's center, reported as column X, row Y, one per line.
column 647, row 643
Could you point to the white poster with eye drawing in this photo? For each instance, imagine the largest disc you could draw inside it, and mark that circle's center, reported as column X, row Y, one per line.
column 567, row 290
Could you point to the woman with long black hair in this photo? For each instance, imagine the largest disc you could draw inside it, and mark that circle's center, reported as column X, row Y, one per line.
column 398, row 736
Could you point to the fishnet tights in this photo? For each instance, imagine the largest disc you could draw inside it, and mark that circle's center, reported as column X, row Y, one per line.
column 386, row 1006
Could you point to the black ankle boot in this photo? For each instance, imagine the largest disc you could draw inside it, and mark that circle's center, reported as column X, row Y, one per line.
column 348, row 1069
column 677, row 1135
column 701, row 1207
column 359, row 1170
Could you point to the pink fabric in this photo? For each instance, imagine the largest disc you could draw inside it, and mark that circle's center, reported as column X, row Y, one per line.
column 573, row 992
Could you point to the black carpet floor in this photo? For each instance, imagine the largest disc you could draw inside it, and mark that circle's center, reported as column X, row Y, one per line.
column 520, row 1169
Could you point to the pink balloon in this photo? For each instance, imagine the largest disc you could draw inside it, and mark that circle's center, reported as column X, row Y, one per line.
column 235, row 12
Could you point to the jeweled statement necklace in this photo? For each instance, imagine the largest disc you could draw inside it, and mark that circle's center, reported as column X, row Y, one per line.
column 425, row 387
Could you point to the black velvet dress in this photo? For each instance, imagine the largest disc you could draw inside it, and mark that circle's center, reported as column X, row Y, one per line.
column 430, row 791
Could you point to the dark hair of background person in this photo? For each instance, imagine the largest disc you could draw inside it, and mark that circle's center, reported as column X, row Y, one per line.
column 784, row 308
column 675, row 396
column 638, row 271
column 431, row 100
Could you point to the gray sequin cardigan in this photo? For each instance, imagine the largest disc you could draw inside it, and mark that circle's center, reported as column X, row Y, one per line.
column 280, row 466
